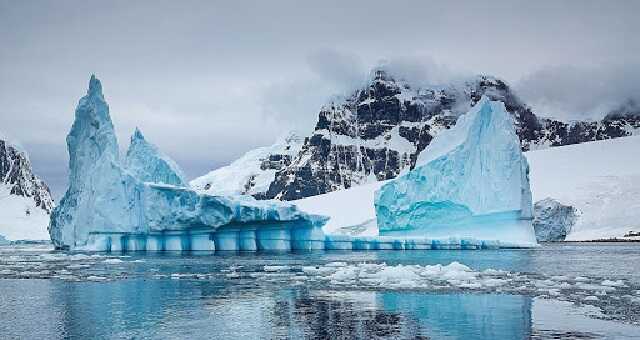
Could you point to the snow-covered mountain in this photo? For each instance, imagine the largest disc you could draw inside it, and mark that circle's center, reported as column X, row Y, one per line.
column 25, row 200
column 378, row 132
column 252, row 173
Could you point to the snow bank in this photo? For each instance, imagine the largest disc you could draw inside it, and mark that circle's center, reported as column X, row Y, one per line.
column 348, row 209
column 20, row 218
column 601, row 179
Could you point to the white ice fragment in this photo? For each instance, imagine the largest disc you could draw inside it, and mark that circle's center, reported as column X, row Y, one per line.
column 96, row 278
column 276, row 268
column 113, row 261
column 616, row 283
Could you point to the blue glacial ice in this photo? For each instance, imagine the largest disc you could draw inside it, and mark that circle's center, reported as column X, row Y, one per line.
column 472, row 182
column 148, row 164
column 142, row 203
column 101, row 195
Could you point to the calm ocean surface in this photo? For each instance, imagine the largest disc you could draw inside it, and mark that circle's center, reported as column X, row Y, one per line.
column 575, row 291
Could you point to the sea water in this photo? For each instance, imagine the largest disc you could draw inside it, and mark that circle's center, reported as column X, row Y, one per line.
column 579, row 291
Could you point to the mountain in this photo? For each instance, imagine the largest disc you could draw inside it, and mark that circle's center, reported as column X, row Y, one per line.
column 25, row 200
column 378, row 132
column 252, row 173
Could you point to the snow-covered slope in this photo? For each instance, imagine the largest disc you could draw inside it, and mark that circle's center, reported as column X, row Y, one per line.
column 351, row 211
column 25, row 200
column 601, row 179
column 252, row 173
column 20, row 218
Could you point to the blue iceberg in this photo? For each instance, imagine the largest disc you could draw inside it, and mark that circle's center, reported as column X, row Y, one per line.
column 142, row 202
column 472, row 182
column 145, row 161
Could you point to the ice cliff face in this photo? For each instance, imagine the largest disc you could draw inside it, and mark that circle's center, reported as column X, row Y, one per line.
column 101, row 196
column 142, row 204
column 148, row 164
column 18, row 179
column 471, row 181
column 379, row 131
column 553, row 220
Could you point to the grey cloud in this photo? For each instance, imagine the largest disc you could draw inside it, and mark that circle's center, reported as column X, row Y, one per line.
column 422, row 70
column 578, row 92
column 344, row 71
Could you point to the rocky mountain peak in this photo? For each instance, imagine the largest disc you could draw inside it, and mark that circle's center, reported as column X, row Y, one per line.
column 17, row 176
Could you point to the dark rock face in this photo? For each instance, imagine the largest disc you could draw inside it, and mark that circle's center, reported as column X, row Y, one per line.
column 15, row 174
column 553, row 220
column 379, row 131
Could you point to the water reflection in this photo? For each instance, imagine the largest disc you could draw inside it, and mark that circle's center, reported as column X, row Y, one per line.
column 142, row 307
column 179, row 309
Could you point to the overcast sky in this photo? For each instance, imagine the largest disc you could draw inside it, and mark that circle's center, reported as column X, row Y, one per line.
column 206, row 81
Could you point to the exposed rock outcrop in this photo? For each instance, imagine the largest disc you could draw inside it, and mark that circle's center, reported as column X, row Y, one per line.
column 17, row 176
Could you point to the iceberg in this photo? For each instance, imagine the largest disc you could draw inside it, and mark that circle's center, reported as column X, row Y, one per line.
column 553, row 220
column 101, row 195
column 472, row 182
column 145, row 161
column 143, row 203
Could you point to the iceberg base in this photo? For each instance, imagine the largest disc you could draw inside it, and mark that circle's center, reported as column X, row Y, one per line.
column 229, row 238
column 278, row 238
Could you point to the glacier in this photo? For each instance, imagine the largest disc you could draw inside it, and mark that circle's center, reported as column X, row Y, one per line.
column 143, row 202
column 472, row 182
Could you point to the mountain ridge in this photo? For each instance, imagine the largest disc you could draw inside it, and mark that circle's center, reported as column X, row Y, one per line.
column 378, row 131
